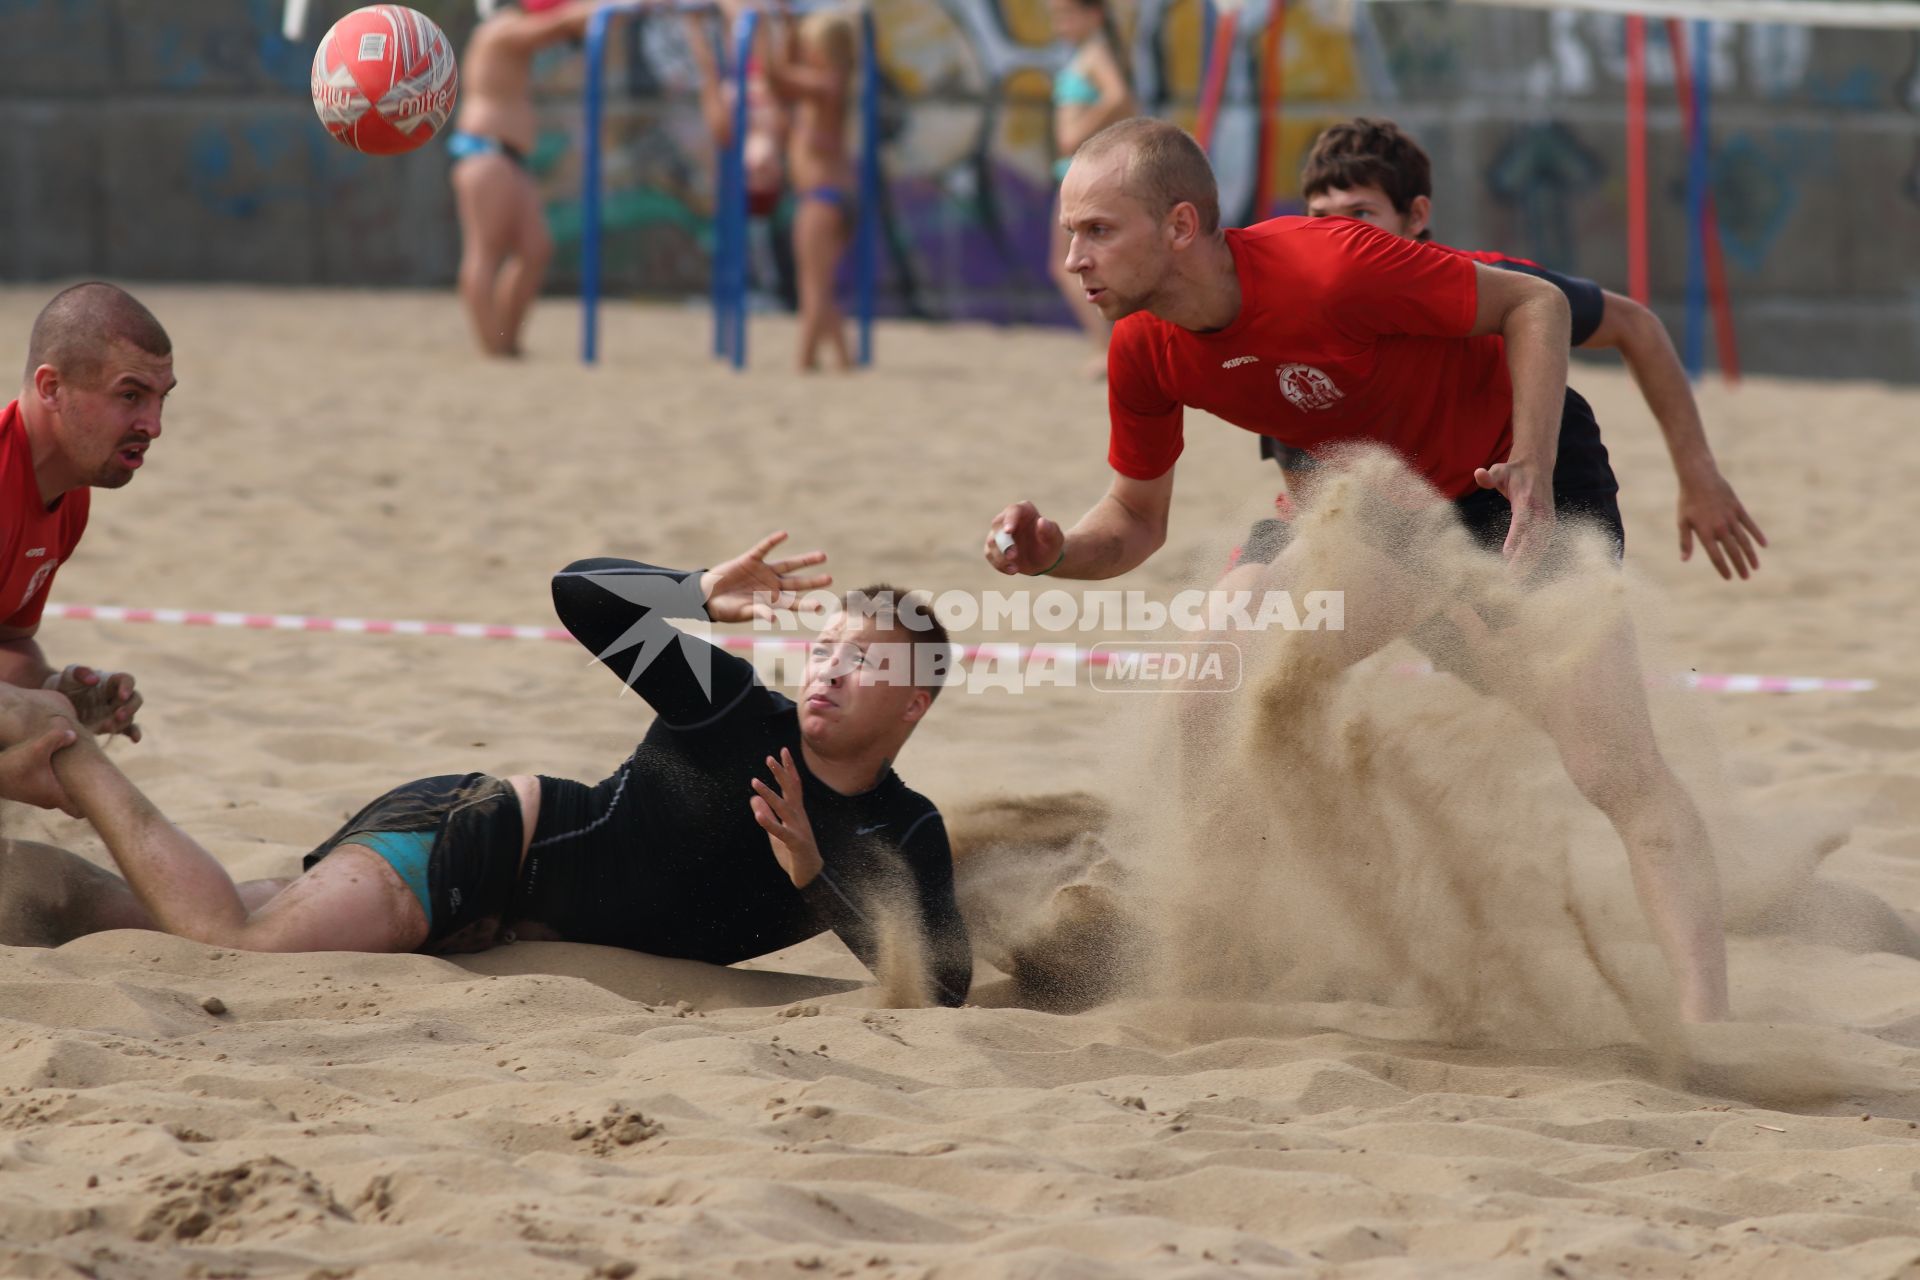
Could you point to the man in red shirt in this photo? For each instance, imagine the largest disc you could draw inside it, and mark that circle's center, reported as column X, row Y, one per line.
column 1319, row 331
column 99, row 368
column 1370, row 170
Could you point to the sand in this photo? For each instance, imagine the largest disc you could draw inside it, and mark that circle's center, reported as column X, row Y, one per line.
column 544, row 1110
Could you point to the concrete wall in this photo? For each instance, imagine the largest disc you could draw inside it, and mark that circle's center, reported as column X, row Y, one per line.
column 172, row 139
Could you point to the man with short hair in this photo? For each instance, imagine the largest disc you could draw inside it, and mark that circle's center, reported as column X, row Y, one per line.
column 740, row 825
column 99, row 368
column 1323, row 331
column 1371, row 170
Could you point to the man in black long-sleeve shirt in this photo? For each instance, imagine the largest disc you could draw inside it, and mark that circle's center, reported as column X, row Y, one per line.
column 741, row 824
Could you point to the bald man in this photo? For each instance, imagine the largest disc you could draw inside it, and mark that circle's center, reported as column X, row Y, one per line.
column 99, row 368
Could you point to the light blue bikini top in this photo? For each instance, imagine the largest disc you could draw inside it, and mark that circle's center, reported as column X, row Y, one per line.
column 1072, row 87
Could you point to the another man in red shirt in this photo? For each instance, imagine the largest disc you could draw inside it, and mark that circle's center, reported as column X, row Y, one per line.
column 99, row 368
column 1370, row 170
column 1319, row 331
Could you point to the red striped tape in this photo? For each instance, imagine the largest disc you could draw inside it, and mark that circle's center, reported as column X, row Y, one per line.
column 1714, row 683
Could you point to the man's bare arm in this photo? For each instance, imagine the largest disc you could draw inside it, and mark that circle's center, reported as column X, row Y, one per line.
column 530, row 32
column 1709, row 508
column 106, row 700
column 21, row 661
column 1534, row 319
column 1118, row 534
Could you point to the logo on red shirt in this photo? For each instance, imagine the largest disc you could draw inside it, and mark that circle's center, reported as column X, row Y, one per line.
column 40, row 577
column 1306, row 388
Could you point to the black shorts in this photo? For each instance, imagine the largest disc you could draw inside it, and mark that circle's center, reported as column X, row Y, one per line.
column 1488, row 516
column 1584, row 490
column 475, row 859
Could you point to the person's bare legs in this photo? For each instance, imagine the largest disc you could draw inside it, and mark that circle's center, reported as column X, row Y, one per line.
column 1597, row 715
column 520, row 277
column 819, row 239
column 50, row 896
column 352, row 901
column 1594, row 709
column 487, row 196
column 1098, row 329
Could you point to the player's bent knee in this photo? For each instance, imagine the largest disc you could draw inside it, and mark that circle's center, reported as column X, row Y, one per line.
column 1615, row 781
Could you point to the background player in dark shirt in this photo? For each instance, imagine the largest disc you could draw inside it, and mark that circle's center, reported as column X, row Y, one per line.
column 741, row 824
column 1371, row 170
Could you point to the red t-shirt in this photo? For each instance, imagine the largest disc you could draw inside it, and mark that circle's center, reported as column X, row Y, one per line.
column 34, row 540
column 1345, row 332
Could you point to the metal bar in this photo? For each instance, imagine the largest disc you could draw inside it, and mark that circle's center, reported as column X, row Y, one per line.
column 716, row 268
column 1690, row 86
column 866, row 265
column 590, row 187
column 1726, row 344
column 1638, row 286
column 734, row 216
column 1273, row 80
column 1213, row 87
column 1876, row 15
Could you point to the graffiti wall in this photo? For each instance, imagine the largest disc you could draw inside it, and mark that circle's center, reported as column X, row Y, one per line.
column 172, row 139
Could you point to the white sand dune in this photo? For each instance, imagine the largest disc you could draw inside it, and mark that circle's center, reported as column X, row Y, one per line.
column 1429, row 1092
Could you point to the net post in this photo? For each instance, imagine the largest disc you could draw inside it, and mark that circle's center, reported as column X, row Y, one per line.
column 733, row 220
column 1691, row 87
column 1214, row 86
column 1273, row 73
column 1639, row 287
column 590, row 187
column 293, row 21
column 867, row 236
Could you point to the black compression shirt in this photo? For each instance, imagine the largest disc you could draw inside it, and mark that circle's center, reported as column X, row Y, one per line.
column 665, row 857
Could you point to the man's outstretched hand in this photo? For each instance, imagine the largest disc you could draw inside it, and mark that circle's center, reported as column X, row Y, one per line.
column 781, row 812
column 1712, row 511
column 751, row 586
column 103, row 701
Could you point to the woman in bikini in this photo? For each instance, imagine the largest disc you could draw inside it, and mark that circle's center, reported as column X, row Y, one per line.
column 812, row 70
column 1090, row 92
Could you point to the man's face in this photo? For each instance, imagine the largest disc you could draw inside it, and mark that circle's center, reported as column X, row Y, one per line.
column 107, row 427
column 1370, row 204
column 1120, row 251
column 859, row 687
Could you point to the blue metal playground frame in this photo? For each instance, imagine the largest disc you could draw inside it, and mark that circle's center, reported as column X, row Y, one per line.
column 729, row 286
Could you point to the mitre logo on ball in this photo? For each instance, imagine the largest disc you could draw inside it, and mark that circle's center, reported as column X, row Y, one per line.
column 384, row 79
